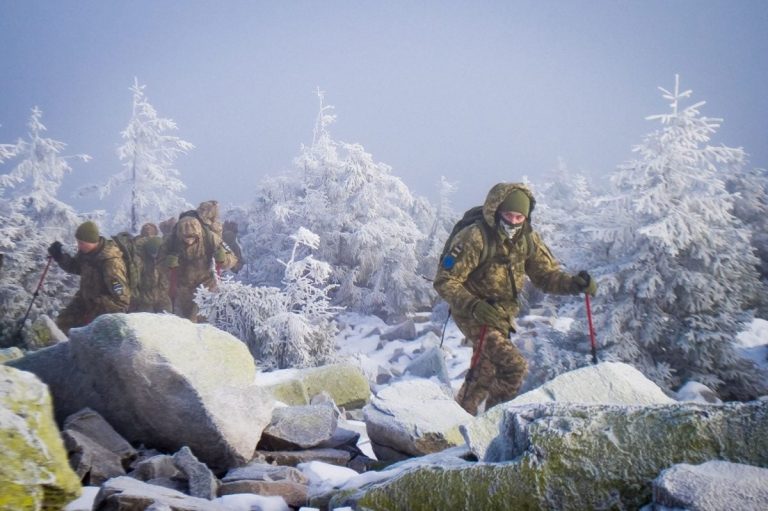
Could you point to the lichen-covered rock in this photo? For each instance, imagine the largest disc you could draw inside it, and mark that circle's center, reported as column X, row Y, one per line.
column 8, row 354
column 34, row 472
column 345, row 383
column 413, row 418
column 567, row 456
column 42, row 333
column 604, row 383
column 162, row 381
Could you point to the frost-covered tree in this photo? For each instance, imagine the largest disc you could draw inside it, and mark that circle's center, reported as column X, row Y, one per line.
column 369, row 236
column 149, row 184
column 31, row 218
column 437, row 223
column 751, row 207
column 290, row 326
column 682, row 269
column 564, row 208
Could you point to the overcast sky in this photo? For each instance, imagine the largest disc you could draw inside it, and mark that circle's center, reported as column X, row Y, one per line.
column 477, row 91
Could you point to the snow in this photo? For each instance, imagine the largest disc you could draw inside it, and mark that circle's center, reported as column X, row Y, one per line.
column 754, row 343
column 252, row 502
column 698, row 393
column 323, row 476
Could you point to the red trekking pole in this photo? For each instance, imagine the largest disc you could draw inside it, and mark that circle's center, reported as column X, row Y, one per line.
column 591, row 329
column 17, row 335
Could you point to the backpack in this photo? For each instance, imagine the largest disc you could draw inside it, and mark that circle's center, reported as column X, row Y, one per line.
column 127, row 245
column 490, row 238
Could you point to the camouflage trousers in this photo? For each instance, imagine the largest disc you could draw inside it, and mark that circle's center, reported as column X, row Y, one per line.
column 498, row 372
column 184, row 305
column 75, row 314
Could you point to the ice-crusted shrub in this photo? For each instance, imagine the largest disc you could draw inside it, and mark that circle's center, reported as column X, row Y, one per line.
column 283, row 327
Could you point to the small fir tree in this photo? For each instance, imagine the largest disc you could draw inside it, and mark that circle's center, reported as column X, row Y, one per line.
column 149, row 183
column 681, row 269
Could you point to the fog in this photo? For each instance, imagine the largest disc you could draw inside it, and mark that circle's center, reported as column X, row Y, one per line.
column 477, row 91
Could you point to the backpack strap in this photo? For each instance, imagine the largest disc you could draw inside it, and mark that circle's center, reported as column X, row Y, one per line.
column 489, row 247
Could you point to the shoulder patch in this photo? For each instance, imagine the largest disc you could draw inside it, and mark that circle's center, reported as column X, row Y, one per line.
column 449, row 261
column 117, row 288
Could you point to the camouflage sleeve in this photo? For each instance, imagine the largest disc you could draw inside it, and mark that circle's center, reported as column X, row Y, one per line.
column 544, row 270
column 116, row 281
column 230, row 259
column 453, row 271
column 70, row 264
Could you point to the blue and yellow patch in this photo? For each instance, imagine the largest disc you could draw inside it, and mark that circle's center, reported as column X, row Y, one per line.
column 117, row 288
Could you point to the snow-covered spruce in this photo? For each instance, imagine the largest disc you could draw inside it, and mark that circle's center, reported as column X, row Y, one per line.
column 149, row 184
column 31, row 218
column 679, row 272
column 371, row 237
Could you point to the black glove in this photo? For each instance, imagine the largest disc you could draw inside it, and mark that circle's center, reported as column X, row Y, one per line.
column 489, row 315
column 55, row 251
column 583, row 282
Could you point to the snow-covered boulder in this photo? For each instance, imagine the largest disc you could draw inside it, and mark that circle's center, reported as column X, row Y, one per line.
column 162, row 381
column 712, row 486
column 577, row 456
column 405, row 330
column 604, row 383
column 413, row 418
column 698, row 393
column 34, row 472
column 345, row 383
column 428, row 364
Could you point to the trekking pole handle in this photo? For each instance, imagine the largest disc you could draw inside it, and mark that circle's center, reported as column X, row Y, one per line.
column 592, row 342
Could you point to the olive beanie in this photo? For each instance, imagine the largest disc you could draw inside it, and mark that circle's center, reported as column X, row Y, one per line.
column 88, row 232
column 517, row 201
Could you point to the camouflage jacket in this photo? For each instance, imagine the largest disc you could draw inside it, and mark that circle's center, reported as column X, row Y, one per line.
column 103, row 281
column 153, row 285
column 502, row 279
column 196, row 265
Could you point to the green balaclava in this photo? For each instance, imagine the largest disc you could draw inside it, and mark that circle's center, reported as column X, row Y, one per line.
column 88, row 232
column 517, row 201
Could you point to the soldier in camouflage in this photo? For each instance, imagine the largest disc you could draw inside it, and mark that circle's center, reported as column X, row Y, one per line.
column 190, row 259
column 484, row 300
column 152, row 290
column 103, row 281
